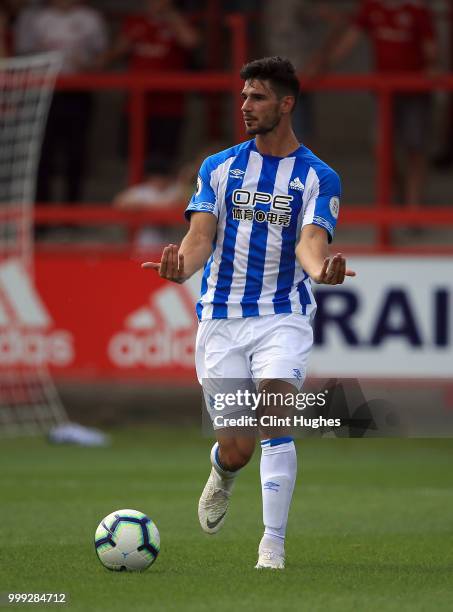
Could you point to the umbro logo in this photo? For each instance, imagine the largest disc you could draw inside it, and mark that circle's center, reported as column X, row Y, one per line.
column 237, row 173
column 297, row 184
column 271, row 486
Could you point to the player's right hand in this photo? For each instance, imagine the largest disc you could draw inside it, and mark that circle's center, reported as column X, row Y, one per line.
column 171, row 265
column 333, row 271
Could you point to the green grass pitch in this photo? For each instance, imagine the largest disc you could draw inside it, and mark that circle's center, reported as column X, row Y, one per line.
column 371, row 526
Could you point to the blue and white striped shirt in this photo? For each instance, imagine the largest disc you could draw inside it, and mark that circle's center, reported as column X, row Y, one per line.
column 261, row 203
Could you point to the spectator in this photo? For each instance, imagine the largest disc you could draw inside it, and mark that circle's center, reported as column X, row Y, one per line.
column 78, row 32
column 403, row 40
column 161, row 188
column 8, row 13
column 294, row 29
column 444, row 159
column 4, row 34
column 158, row 41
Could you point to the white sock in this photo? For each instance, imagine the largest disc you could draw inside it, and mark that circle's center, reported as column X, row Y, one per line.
column 278, row 475
column 226, row 478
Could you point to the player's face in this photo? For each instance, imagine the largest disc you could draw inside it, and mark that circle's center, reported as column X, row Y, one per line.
column 261, row 107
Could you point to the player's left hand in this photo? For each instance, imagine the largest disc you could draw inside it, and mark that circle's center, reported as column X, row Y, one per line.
column 333, row 271
column 171, row 265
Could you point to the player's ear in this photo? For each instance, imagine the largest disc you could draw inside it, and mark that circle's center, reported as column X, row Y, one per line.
column 287, row 104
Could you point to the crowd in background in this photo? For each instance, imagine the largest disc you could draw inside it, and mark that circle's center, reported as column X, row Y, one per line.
column 165, row 36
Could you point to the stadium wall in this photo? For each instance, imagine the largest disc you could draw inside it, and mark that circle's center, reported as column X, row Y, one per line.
column 101, row 317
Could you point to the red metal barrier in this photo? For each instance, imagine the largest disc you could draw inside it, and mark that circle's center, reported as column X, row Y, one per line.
column 382, row 218
column 384, row 87
column 95, row 214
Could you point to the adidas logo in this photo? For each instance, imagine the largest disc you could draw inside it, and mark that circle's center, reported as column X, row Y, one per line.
column 26, row 334
column 160, row 333
column 20, row 305
column 297, row 184
column 237, row 173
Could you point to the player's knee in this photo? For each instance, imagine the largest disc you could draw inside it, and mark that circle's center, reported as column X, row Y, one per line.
column 245, row 448
column 236, row 453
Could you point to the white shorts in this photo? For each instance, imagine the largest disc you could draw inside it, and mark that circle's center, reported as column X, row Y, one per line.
column 252, row 349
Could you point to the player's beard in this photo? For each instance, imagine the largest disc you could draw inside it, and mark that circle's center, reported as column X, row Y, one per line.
column 264, row 128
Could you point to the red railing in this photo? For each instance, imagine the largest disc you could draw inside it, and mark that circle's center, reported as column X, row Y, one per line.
column 381, row 214
column 381, row 218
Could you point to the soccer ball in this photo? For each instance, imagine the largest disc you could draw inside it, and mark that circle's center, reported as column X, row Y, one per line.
column 127, row 540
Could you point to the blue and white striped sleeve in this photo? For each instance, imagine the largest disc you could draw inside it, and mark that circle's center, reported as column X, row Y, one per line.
column 323, row 204
column 204, row 199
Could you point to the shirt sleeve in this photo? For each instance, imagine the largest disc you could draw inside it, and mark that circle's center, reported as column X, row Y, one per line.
column 132, row 29
column 204, row 199
column 323, row 205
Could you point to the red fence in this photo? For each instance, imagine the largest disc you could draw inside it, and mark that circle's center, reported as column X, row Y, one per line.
column 377, row 216
column 381, row 214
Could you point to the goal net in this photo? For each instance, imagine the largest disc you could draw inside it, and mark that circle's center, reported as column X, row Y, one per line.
column 29, row 403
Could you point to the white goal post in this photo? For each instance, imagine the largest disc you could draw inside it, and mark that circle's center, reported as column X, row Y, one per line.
column 29, row 402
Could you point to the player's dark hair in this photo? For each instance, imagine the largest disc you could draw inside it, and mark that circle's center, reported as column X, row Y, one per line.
column 279, row 71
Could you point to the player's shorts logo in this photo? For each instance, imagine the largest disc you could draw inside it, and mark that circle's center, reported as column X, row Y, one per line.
column 334, row 206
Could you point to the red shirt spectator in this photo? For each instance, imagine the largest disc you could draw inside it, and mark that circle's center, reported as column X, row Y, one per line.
column 6, row 43
column 6, row 34
column 158, row 40
column 402, row 35
column 398, row 31
column 153, row 47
